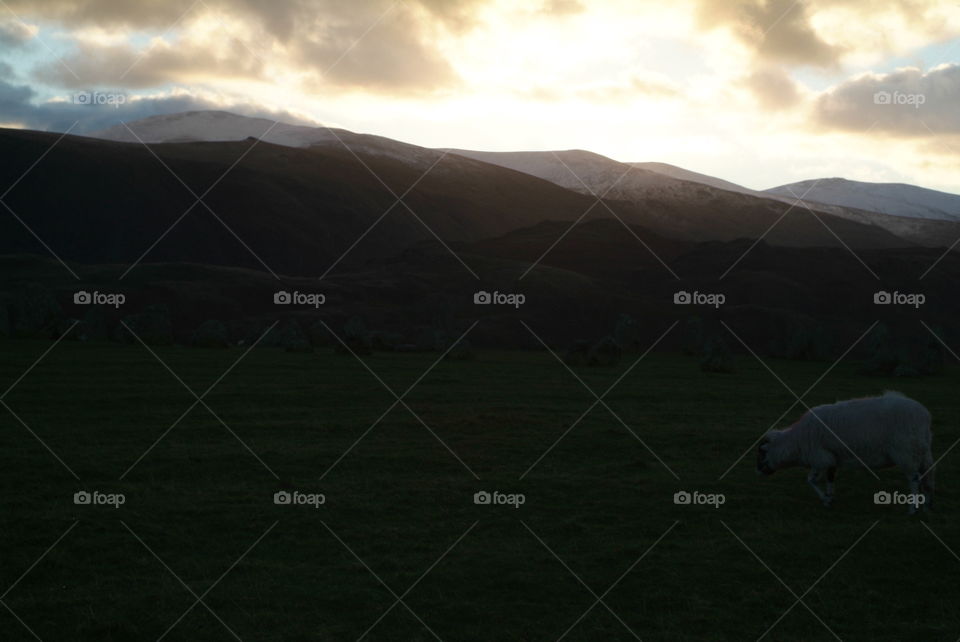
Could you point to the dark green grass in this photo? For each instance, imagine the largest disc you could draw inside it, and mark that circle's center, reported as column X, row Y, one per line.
column 400, row 499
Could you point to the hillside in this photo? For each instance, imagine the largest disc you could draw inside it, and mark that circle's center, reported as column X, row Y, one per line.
column 95, row 201
column 692, row 211
column 894, row 199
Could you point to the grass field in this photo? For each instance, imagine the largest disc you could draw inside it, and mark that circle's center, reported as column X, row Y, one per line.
column 400, row 520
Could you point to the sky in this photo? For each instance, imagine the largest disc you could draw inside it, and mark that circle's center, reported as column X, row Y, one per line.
column 759, row 92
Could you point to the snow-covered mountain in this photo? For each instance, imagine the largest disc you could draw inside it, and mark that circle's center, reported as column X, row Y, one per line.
column 895, row 199
column 583, row 172
column 687, row 205
column 567, row 168
column 577, row 170
column 694, row 177
column 913, row 213
column 212, row 126
column 219, row 126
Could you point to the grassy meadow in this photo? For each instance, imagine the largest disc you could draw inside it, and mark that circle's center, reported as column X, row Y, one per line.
column 399, row 520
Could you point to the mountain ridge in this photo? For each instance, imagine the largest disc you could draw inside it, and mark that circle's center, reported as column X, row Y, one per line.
column 893, row 199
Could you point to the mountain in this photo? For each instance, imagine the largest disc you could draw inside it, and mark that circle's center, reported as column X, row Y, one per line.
column 587, row 172
column 298, row 210
column 210, row 126
column 914, row 214
column 221, row 126
column 691, row 210
column 695, row 177
column 894, row 199
column 675, row 201
column 667, row 206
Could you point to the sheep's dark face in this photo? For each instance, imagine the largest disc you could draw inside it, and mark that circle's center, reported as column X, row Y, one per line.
column 763, row 466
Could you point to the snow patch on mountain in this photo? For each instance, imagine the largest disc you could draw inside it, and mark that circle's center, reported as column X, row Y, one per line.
column 587, row 173
column 695, row 177
column 221, row 126
column 894, row 199
column 212, row 126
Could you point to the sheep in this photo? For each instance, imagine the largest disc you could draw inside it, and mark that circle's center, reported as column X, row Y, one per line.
column 879, row 432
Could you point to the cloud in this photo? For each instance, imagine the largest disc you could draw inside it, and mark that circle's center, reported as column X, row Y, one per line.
column 634, row 87
column 827, row 33
column 94, row 65
column 6, row 71
column 395, row 56
column 377, row 45
column 773, row 88
column 13, row 100
column 106, row 13
column 907, row 102
column 14, row 33
column 17, row 106
column 563, row 7
column 777, row 31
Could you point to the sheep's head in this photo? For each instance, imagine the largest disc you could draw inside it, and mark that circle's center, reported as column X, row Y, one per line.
column 763, row 463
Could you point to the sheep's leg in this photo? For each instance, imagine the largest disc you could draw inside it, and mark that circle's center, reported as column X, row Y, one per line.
column 812, row 480
column 831, row 475
column 914, row 478
column 926, row 482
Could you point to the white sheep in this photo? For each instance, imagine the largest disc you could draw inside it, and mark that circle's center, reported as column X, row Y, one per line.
column 878, row 432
